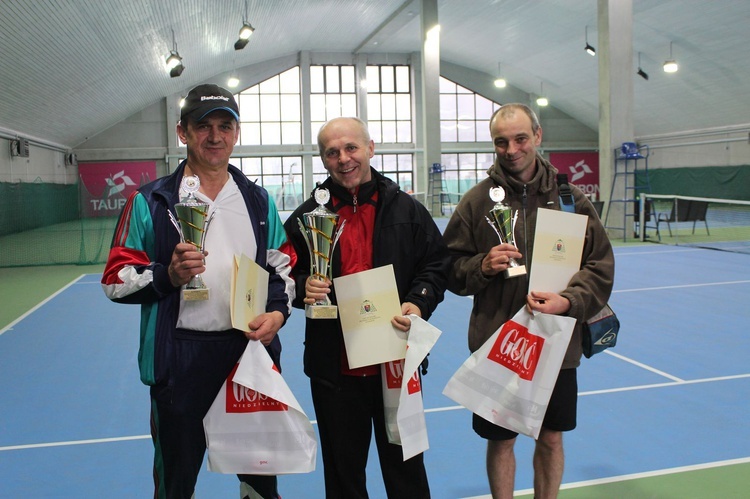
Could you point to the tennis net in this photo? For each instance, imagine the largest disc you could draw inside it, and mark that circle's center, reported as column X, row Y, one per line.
column 722, row 224
column 42, row 224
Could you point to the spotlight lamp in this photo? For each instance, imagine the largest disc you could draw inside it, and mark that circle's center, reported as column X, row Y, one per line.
column 670, row 65
column 245, row 32
column 174, row 61
column 233, row 81
column 589, row 48
column 641, row 72
column 500, row 81
column 542, row 101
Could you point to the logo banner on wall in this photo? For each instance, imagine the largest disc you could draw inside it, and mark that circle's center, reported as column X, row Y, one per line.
column 582, row 169
column 106, row 186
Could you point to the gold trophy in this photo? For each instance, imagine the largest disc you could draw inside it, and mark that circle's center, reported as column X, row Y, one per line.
column 192, row 223
column 503, row 221
column 322, row 231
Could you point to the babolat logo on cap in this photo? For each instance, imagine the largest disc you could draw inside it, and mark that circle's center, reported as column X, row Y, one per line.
column 214, row 97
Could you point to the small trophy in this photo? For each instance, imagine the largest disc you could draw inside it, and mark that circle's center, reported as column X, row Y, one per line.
column 192, row 223
column 503, row 222
column 322, row 232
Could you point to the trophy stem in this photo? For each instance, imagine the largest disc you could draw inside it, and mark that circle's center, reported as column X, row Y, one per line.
column 195, row 290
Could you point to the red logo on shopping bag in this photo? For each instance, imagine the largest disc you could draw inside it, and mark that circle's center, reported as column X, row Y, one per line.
column 517, row 349
column 242, row 399
column 394, row 373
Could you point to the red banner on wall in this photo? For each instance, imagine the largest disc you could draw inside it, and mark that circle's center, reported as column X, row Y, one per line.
column 582, row 169
column 106, row 186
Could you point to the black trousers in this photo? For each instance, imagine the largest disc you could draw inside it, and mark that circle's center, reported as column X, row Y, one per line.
column 202, row 362
column 346, row 416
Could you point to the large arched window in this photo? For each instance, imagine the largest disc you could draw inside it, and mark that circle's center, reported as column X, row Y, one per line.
column 272, row 118
column 389, row 104
column 464, row 119
column 270, row 112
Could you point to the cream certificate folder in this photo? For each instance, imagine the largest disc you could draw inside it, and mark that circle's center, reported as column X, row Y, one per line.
column 558, row 246
column 367, row 302
column 249, row 291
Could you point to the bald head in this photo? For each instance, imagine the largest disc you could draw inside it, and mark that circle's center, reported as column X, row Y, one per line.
column 338, row 124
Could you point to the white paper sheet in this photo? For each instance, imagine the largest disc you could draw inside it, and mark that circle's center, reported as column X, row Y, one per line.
column 367, row 302
column 249, row 292
column 558, row 246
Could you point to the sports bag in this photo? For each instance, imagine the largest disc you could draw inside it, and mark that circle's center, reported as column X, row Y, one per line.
column 600, row 331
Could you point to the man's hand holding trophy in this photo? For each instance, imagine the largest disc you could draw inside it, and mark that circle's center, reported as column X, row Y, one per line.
column 322, row 230
column 192, row 223
column 503, row 221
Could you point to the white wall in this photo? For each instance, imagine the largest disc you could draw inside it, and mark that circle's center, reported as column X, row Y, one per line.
column 42, row 165
column 710, row 147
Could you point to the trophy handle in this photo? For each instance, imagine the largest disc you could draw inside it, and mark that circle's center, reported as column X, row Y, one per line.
column 336, row 237
column 306, row 237
column 513, row 229
column 176, row 224
column 494, row 229
column 206, row 223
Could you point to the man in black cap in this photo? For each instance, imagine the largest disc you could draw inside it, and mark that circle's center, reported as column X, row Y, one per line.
column 188, row 347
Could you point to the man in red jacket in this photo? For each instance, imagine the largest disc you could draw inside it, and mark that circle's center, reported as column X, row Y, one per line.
column 384, row 225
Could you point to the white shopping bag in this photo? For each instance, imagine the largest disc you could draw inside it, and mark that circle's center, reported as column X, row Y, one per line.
column 510, row 379
column 255, row 425
column 402, row 391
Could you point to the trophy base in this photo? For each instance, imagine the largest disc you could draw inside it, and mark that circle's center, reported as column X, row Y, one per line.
column 515, row 271
column 195, row 294
column 321, row 311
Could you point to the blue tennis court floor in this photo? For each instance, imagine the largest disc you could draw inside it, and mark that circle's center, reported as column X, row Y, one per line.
column 671, row 398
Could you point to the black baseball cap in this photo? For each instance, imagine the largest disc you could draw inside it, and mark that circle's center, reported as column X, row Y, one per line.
column 208, row 98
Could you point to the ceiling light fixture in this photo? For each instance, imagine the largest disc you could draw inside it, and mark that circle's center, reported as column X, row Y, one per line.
column 641, row 72
column 591, row 50
column 233, row 81
column 542, row 101
column 245, row 32
column 670, row 65
column 174, row 61
column 500, row 81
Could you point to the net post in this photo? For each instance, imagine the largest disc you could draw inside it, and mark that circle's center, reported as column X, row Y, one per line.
column 642, row 215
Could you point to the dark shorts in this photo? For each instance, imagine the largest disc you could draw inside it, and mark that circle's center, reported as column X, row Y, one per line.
column 560, row 415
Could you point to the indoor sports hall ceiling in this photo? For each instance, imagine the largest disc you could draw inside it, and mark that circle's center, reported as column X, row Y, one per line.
column 70, row 69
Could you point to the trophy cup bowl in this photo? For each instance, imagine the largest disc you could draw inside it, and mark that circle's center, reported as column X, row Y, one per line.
column 321, row 231
column 502, row 219
column 192, row 223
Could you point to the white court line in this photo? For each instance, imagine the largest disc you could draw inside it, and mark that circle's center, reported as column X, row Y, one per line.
column 623, row 389
column 660, row 288
column 680, row 286
column 635, row 251
column 10, row 326
column 437, row 409
column 643, row 366
column 662, row 385
column 75, row 442
column 634, row 476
